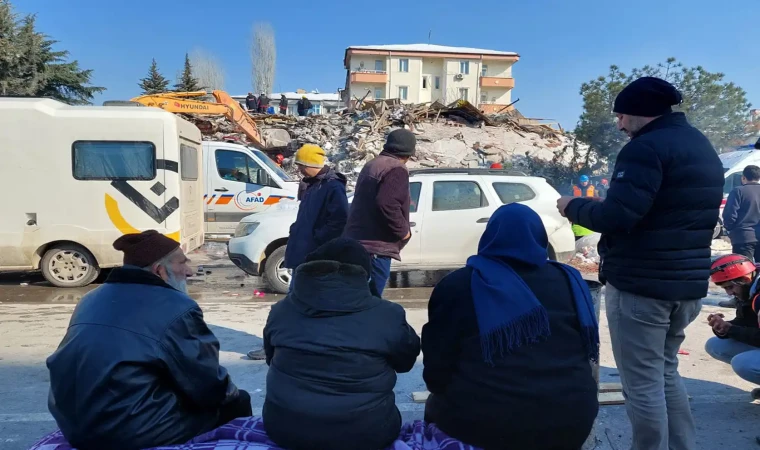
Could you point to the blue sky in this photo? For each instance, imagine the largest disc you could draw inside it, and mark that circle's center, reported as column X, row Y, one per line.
column 562, row 43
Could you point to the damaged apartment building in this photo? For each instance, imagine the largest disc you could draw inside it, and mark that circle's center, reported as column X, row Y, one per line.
column 420, row 73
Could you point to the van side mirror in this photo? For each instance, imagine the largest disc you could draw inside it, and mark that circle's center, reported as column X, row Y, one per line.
column 757, row 144
column 263, row 178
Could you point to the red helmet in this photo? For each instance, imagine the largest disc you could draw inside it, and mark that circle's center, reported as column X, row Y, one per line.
column 280, row 158
column 497, row 166
column 731, row 267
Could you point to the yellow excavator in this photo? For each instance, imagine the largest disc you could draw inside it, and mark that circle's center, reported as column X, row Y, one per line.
column 188, row 103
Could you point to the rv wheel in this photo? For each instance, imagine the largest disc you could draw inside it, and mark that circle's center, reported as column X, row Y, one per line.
column 69, row 265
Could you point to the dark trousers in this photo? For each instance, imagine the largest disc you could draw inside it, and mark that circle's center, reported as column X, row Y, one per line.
column 503, row 436
column 240, row 407
column 381, row 271
column 750, row 250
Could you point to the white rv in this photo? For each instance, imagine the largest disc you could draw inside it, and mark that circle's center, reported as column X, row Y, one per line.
column 75, row 178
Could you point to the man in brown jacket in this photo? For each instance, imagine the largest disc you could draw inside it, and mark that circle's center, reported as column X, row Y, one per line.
column 379, row 214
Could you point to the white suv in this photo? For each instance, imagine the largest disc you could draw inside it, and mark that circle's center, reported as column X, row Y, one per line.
column 449, row 212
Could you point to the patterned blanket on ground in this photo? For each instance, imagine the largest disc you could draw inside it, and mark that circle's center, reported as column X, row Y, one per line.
column 249, row 434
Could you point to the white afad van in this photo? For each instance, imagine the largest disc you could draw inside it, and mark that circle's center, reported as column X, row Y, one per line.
column 240, row 181
column 78, row 177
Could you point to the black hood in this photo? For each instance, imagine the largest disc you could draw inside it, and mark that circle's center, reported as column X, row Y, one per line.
column 330, row 288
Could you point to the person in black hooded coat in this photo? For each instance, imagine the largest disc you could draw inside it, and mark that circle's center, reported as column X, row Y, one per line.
column 333, row 351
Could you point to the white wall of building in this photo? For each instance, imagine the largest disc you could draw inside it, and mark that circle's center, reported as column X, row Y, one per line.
column 496, row 68
column 409, row 80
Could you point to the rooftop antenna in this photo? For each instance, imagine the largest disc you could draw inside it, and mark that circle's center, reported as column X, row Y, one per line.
column 429, row 34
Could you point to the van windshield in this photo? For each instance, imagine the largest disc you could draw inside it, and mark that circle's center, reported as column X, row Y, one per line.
column 271, row 164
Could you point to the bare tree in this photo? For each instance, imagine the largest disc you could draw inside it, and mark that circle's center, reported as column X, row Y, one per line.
column 263, row 56
column 207, row 69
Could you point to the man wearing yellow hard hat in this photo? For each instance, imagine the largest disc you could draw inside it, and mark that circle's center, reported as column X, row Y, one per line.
column 323, row 210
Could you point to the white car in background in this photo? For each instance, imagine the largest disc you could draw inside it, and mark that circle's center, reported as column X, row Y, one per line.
column 449, row 211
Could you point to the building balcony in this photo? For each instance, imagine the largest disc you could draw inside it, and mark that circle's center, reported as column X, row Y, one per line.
column 497, row 82
column 370, row 76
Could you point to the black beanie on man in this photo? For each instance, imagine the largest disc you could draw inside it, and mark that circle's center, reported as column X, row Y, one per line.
column 401, row 143
column 144, row 249
column 647, row 97
column 346, row 251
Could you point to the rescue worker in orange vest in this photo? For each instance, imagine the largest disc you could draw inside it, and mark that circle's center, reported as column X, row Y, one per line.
column 583, row 189
column 737, row 341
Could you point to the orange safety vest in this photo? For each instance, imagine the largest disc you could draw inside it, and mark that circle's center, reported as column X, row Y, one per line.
column 578, row 192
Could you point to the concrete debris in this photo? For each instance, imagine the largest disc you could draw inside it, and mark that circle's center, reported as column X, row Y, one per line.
column 457, row 135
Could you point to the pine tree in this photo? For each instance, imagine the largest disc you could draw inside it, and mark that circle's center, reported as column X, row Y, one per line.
column 154, row 83
column 30, row 67
column 187, row 82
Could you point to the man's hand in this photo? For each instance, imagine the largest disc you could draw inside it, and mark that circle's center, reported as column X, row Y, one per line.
column 719, row 326
column 562, row 203
column 408, row 235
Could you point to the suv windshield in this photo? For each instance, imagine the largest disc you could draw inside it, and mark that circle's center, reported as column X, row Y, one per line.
column 271, row 164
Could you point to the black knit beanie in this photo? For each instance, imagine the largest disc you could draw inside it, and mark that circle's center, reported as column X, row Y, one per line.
column 400, row 143
column 647, row 97
column 343, row 250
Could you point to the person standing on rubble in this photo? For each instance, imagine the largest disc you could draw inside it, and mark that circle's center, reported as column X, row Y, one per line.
column 251, row 103
column 304, row 105
column 657, row 224
column 263, row 103
column 283, row 105
column 379, row 215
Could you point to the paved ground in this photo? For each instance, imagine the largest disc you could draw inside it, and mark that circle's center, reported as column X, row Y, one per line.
column 33, row 319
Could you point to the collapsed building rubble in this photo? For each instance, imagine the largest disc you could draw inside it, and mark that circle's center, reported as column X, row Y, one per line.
column 455, row 135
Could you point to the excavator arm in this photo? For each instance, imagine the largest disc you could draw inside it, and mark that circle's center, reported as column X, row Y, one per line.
column 184, row 102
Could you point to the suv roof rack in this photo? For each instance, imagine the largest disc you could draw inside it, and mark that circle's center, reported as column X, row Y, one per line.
column 514, row 173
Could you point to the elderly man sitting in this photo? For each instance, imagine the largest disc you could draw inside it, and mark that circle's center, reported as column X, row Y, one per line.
column 138, row 366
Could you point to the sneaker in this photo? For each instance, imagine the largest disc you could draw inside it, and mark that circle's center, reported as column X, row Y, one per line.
column 257, row 355
column 731, row 303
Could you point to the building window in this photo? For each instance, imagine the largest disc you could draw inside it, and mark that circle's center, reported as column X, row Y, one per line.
column 403, row 65
column 437, row 82
column 425, row 82
column 463, row 93
column 113, row 160
column 378, row 93
column 513, row 192
column 457, row 195
column 483, row 97
column 188, row 162
column 379, row 66
column 464, row 67
column 403, row 92
column 484, row 71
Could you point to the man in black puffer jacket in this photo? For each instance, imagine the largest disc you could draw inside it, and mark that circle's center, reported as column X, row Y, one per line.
column 334, row 350
column 656, row 223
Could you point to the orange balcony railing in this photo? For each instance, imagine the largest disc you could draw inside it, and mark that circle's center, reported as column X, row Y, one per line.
column 369, row 77
column 497, row 82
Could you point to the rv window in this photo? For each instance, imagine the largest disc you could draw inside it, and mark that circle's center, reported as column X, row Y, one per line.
column 188, row 162
column 732, row 181
column 113, row 160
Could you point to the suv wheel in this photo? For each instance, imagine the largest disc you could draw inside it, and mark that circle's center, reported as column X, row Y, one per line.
column 277, row 276
column 69, row 265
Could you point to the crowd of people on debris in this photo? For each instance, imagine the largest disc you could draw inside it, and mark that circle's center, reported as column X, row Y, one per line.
column 509, row 339
column 260, row 104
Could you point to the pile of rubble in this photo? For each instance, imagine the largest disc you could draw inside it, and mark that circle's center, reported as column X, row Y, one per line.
column 457, row 135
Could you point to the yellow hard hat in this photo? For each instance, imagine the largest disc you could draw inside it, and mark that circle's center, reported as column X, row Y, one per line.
column 311, row 155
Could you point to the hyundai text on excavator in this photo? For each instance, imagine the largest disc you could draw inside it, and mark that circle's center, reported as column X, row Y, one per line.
column 188, row 103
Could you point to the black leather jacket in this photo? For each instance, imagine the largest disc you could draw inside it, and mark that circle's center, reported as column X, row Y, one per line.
column 138, row 367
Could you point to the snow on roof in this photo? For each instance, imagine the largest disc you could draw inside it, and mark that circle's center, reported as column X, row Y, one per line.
column 331, row 97
column 431, row 48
